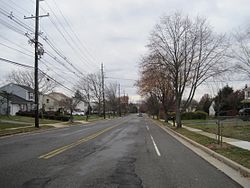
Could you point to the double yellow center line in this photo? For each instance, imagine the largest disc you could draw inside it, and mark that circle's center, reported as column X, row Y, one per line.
column 74, row 144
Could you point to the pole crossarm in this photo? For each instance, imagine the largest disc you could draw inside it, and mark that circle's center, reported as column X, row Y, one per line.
column 32, row 16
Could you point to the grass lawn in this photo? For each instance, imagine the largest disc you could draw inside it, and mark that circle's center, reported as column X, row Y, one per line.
column 4, row 125
column 23, row 130
column 27, row 119
column 236, row 154
column 90, row 118
column 234, row 129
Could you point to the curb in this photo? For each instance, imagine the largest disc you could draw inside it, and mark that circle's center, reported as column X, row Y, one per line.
column 243, row 170
column 28, row 132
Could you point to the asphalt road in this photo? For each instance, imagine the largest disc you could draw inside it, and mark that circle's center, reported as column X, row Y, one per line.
column 124, row 152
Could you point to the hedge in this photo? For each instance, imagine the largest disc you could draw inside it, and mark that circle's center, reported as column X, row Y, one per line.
column 53, row 116
column 194, row 115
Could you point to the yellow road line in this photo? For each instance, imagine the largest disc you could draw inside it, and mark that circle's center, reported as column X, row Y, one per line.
column 74, row 144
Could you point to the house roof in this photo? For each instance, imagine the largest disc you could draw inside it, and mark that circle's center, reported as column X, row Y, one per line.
column 56, row 96
column 14, row 99
column 29, row 89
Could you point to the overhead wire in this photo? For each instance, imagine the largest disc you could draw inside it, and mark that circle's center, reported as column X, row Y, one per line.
column 31, row 67
column 78, row 41
column 22, row 28
column 16, row 50
column 72, row 43
column 19, row 31
column 20, row 23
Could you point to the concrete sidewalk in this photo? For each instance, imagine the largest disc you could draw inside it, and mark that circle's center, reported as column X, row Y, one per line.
column 232, row 141
column 239, row 143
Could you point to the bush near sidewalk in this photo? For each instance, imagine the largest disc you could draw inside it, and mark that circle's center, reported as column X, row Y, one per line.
column 234, row 153
column 46, row 115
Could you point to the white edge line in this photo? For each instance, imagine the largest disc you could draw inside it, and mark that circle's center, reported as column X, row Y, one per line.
column 156, row 148
column 147, row 128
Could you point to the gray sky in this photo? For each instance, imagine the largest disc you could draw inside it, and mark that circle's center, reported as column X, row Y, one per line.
column 114, row 32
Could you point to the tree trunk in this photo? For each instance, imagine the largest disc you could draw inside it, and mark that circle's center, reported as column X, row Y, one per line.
column 178, row 114
column 165, row 116
column 99, row 108
column 71, row 115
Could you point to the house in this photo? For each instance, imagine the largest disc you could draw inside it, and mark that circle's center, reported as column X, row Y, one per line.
column 56, row 101
column 211, row 109
column 82, row 107
column 246, row 100
column 17, row 97
column 52, row 101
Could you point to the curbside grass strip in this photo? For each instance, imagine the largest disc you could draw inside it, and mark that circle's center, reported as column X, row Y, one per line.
column 243, row 170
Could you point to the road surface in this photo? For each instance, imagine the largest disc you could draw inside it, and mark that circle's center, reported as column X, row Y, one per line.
column 123, row 152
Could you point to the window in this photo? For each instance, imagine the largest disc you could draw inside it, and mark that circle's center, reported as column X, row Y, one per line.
column 31, row 96
column 47, row 100
column 248, row 94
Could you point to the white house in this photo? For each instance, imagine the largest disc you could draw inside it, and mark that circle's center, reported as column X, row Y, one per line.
column 246, row 101
column 82, row 107
column 211, row 109
column 19, row 98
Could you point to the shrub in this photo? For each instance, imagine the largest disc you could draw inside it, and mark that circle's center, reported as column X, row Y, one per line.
column 194, row 115
column 46, row 115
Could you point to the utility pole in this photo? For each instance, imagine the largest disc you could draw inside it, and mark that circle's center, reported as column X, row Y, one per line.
column 88, row 97
column 120, row 112
column 38, row 52
column 103, row 92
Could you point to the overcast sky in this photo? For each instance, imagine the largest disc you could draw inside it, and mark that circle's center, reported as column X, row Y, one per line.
column 114, row 32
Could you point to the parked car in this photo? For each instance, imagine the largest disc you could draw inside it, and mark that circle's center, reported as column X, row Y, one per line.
column 244, row 114
column 81, row 113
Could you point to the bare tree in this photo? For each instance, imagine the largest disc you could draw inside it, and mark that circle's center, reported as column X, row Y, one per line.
column 190, row 53
column 27, row 78
column 111, row 97
column 91, row 88
column 241, row 50
column 71, row 103
column 95, row 81
column 155, row 82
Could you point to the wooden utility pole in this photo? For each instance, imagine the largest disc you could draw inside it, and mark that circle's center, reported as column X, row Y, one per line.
column 103, row 92
column 36, row 66
column 37, row 53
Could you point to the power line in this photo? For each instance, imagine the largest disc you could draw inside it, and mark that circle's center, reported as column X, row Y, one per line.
column 15, row 20
column 72, row 46
column 30, row 55
column 31, row 67
column 15, row 63
column 15, row 49
column 11, row 27
column 14, row 43
column 120, row 78
column 78, row 41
